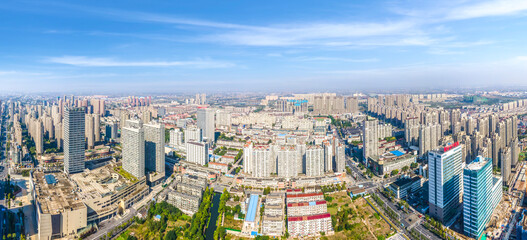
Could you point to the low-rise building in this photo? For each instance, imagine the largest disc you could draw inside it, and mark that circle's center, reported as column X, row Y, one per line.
column 389, row 161
column 309, row 225
column 406, row 185
column 222, row 167
column 189, row 189
column 304, row 197
column 251, row 222
column 273, row 225
column 306, row 208
column 187, row 203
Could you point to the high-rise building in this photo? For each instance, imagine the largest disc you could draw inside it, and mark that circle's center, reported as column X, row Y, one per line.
column 197, row 152
column 176, row 138
column 329, row 154
column 340, row 158
column 287, row 161
column 73, row 132
column 506, row 159
column 370, row 139
column 97, row 127
column 111, row 131
column 193, row 135
column 259, row 160
column 481, row 194
column 154, row 147
column 445, row 185
column 206, row 123
column 314, row 161
column 89, row 131
column 133, row 146
column 39, row 137
column 411, row 131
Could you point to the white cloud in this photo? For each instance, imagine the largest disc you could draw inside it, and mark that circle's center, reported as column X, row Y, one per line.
column 487, row 9
column 83, row 61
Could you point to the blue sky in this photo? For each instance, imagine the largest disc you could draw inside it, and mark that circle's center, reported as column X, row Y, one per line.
column 261, row 45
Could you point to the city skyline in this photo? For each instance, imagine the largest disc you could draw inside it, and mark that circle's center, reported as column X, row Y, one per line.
column 272, row 46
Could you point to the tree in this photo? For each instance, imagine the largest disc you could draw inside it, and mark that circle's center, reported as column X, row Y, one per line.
column 394, row 172
column 405, row 168
column 171, row 235
column 414, row 165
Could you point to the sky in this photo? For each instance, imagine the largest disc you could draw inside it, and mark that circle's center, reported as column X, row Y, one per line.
column 302, row 46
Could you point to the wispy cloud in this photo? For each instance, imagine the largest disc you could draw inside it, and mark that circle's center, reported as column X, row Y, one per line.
column 314, row 33
column 336, row 59
column 83, row 61
column 487, row 9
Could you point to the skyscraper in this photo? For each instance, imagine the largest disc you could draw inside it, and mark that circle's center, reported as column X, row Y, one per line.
column 481, row 194
column 370, row 137
column 206, row 123
column 155, row 147
column 445, row 182
column 73, row 132
column 89, row 131
column 133, row 143
column 39, row 137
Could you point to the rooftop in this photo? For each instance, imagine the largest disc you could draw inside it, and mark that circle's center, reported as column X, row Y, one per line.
column 100, row 182
column 477, row 164
column 302, row 204
column 312, row 217
column 56, row 193
column 251, row 210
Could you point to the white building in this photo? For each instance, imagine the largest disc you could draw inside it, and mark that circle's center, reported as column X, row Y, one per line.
column 176, row 138
column 314, row 160
column 197, row 152
column 206, row 123
column 133, row 145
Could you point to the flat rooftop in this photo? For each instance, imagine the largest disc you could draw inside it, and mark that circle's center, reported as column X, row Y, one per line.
column 100, row 182
column 56, row 193
column 251, row 210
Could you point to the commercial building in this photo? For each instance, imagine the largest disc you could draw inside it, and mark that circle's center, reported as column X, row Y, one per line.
column 389, row 161
column 60, row 211
column 403, row 187
column 73, row 140
column 481, row 195
column 104, row 190
column 445, row 185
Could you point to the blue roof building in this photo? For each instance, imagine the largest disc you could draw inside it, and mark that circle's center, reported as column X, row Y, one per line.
column 252, row 209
